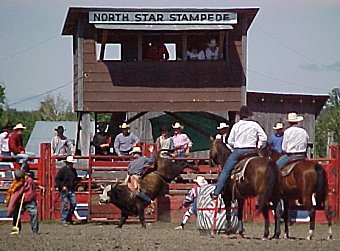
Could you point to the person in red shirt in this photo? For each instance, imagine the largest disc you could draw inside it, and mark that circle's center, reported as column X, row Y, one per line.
column 157, row 51
column 16, row 146
column 23, row 189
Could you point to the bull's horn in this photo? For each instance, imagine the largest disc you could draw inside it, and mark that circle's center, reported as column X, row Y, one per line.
column 113, row 186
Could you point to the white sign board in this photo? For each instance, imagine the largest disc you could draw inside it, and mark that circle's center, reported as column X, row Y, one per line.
column 146, row 17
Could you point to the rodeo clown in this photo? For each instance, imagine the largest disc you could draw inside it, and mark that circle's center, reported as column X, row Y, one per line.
column 191, row 200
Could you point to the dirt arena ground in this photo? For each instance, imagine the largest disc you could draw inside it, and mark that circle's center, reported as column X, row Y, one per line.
column 157, row 236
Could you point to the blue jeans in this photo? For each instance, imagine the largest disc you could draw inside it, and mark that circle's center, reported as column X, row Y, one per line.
column 66, row 215
column 286, row 158
column 228, row 168
column 32, row 209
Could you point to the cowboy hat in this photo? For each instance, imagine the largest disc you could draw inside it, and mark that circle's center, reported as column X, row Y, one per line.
column 60, row 129
column 8, row 125
column 19, row 126
column 293, row 117
column 222, row 126
column 124, row 126
column 278, row 126
column 136, row 149
column 70, row 159
column 212, row 43
column 245, row 112
column 200, row 180
column 177, row 125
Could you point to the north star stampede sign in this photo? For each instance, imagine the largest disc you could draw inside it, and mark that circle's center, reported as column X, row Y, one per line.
column 163, row 17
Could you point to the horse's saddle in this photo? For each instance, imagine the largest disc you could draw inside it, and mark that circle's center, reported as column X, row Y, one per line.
column 253, row 153
column 240, row 168
column 288, row 168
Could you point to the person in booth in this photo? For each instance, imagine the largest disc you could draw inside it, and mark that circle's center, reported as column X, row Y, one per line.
column 295, row 140
column 245, row 136
column 211, row 52
column 195, row 54
column 156, row 50
column 125, row 140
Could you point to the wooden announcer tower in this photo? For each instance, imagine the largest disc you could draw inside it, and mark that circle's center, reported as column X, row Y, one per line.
column 112, row 73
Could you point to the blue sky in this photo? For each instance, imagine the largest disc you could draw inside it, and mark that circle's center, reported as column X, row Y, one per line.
column 293, row 46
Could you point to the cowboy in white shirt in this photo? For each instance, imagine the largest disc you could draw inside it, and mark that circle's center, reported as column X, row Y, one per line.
column 244, row 137
column 295, row 140
column 211, row 52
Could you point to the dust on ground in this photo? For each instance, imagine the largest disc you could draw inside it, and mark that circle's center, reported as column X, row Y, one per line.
column 158, row 236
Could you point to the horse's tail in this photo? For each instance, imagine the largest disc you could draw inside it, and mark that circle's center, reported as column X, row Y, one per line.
column 321, row 185
column 272, row 187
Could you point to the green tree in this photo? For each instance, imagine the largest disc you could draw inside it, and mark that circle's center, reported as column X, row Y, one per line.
column 328, row 121
column 56, row 109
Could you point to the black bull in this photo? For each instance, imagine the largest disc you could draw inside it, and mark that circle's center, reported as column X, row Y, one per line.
column 165, row 170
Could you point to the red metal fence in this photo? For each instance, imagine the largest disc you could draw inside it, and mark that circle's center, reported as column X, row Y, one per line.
column 106, row 169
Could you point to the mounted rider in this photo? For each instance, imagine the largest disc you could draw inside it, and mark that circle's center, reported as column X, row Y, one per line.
column 244, row 137
column 295, row 140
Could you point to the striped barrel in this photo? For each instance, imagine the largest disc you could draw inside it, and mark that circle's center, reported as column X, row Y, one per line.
column 211, row 218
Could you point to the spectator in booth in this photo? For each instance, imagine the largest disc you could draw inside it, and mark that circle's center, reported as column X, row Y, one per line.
column 60, row 144
column 194, row 54
column 22, row 190
column 138, row 166
column 190, row 200
column 4, row 140
column 125, row 140
column 181, row 140
column 295, row 140
column 17, row 148
column 102, row 140
column 275, row 141
column 223, row 130
column 211, row 52
column 66, row 181
column 156, row 50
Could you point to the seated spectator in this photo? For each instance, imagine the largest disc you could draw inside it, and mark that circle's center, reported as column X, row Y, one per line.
column 193, row 54
column 102, row 140
column 181, row 141
column 211, row 52
column 125, row 140
column 157, row 51
column 4, row 138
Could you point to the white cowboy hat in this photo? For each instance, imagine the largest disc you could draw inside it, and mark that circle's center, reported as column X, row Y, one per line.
column 212, row 43
column 222, row 125
column 293, row 117
column 70, row 159
column 124, row 126
column 200, row 180
column 136, row 149
column 278, row 126
column 177, row 125
column 19, row 126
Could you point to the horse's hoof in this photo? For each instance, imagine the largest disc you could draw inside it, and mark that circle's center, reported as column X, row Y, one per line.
column 285, row 236
column 330, row 237
column 309, row 238
column 265, row 238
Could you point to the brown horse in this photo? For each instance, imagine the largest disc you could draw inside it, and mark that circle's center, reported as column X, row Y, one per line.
column 300, row 180
column 151, row 185
column 260, row 180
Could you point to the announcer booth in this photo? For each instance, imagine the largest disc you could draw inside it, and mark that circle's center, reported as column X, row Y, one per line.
column 114, row 73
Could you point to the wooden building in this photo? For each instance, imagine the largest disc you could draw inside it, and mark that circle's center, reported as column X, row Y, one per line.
column 113, row 74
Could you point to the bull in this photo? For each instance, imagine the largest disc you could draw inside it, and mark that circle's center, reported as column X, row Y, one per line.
column 151, row 186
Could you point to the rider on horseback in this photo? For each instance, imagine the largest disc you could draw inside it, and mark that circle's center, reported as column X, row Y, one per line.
column 243, row 137
column 295, row 140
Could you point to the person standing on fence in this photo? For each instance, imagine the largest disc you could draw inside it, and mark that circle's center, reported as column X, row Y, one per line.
column 4, row 138
column 125, row 141
column 22, row 191
column 65, row 182
column 181, row 140
column 102, row 140
column 60, row 144
column 191, row 200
